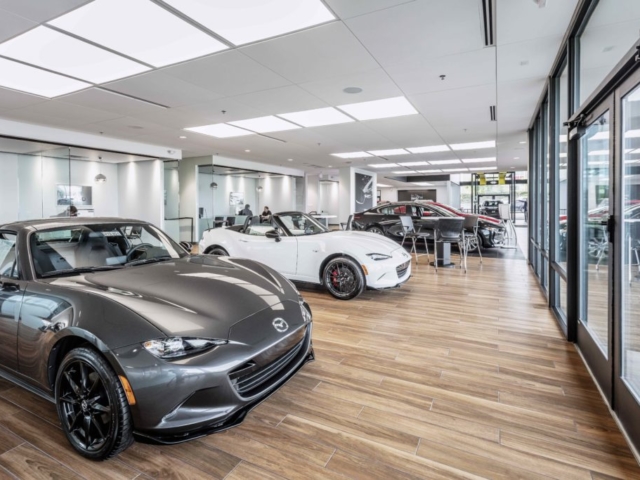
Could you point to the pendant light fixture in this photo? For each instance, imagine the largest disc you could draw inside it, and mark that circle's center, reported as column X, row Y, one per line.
column 100, row 178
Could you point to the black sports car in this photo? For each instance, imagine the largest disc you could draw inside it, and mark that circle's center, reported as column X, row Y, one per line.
column 384, row 219
column 130, row 335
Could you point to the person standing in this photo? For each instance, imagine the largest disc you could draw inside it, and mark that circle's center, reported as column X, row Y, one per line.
column 246, row 211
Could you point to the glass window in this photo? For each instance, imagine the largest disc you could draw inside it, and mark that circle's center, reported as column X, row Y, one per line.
column 301, row 224
column 594, row 241
column 631, row 242
column 562, row 214
column 610, row 32
column 8, row 265
column 562, row 297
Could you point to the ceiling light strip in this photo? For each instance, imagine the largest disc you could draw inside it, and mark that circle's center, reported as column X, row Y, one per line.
column 98, row 45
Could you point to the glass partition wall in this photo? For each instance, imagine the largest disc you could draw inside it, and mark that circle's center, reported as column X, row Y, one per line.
column 584, row 169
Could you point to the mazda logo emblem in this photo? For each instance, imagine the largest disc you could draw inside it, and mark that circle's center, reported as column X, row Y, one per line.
column 280, row 325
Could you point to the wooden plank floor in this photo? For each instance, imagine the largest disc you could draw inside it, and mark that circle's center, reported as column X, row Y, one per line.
column 451, row 376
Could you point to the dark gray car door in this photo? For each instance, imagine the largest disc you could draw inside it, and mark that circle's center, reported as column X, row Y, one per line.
column 12, row 289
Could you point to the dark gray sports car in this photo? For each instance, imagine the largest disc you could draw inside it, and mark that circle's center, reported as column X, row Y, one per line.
column 130, row 335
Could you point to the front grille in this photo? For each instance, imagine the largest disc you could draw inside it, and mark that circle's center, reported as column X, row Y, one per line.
column 250, row 379
column 401, row 270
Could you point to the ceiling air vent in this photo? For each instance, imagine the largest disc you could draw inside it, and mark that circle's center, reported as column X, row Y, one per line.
column 492, row 112
column 488, row 22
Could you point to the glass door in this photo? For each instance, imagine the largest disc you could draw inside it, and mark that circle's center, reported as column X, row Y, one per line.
column 596, row 168
column 627, row 364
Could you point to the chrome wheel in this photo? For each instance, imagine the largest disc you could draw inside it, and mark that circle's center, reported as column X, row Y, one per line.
column 85, row 406
column 376, row 230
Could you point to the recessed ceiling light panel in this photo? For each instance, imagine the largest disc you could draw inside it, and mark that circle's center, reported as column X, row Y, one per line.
column 455, row 169
column 383, row 165
column 413, row 164
column 478, row 160
column 443, row 162
column 473, row 145
column 382, row 185
column 430, row 171
column 389, row 153
column 246, row 21
column 38, row 82
column 220, row 130
column 483, row 169
column 352, row 155
column 386, row 108
column 58, row 52
column 140, row 29
column 265, row 124
column 430, row 149
column 317, row 117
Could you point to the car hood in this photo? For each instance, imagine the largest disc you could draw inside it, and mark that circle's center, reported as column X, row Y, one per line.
column 368, row 242
column 197, row 296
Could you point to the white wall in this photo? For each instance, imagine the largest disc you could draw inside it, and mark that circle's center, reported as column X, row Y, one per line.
column 141, row 191
column 172, row 193
column 278, row 193
column 445, row 193
column 312, row 193
column 329, row 199
column 8, row 187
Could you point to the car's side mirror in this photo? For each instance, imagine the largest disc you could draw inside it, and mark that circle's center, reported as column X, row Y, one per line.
column 8, row 284
column 273, row 234
column 187, row 246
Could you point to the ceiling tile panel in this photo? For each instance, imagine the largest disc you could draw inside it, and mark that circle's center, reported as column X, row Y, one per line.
column 227, row 73
column 67, row 111
column 12, row 99
column 40, row 10
column 11, row 25
column 110, row 102
column 354, row 8
column 164, row 89
column 318, row 53
column 287, row 99
column 415, row 31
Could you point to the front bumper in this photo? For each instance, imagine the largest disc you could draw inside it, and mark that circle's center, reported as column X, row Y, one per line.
column 492, row 237
column 184, row 399
column 389, row 273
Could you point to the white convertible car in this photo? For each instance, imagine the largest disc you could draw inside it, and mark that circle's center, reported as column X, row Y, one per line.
column 296, row 245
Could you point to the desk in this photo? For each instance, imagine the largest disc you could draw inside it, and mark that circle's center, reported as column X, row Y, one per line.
column 443, row 250
column 324, row 219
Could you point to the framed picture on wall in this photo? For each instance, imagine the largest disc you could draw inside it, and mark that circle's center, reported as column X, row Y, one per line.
column 80, row 196
column 236, row 198
column 364, row 191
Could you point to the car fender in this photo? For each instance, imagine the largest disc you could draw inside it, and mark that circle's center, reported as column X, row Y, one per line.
column 221, row 237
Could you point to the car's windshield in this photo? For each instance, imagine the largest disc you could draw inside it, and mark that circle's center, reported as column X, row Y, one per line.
column 301, row 224
column 85, row 248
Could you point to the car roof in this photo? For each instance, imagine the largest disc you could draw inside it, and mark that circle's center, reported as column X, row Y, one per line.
column 60, row 222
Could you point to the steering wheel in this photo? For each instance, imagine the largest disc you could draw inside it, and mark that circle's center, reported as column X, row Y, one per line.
column 135, row 249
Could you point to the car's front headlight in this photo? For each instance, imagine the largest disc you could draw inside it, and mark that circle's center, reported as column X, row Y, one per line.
column 176, row 347
column 305, row 309
column 378, row 256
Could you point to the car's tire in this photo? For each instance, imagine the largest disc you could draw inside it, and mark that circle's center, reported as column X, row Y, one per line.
column 218, row 251
column 375, row 229
column 92, row 405
column 343, row 278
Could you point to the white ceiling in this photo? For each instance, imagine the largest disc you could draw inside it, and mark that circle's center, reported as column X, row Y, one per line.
column 388, row 48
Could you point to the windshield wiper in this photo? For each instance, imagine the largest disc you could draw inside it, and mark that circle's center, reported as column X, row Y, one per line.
column 70, row 271
column 148, row 260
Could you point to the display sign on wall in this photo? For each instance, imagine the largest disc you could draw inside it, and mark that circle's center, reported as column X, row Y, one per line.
column 236, row 199
column 364, row 191
column 77, row 195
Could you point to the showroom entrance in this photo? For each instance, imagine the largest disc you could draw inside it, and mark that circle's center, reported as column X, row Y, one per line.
column 606, row 145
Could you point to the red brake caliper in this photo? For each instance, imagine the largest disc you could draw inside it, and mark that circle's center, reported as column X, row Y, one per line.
column 334, row 276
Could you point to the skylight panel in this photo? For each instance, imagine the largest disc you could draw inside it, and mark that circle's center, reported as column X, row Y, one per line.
column 386, row 108
column 473, row 145
column 61, row 53
column 430, row 149
column 38, row 82
column 220, row 130
column 139, row 29
column 265, row 124
column 246, row 21
column 318, row 117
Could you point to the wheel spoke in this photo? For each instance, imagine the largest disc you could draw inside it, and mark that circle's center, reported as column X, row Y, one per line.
column 83, row 376
column 72, row 384
column 69, row 400
column 98, row 429
column 86, row 426
column 75, row 423
column 101, row 408
column 94, row 385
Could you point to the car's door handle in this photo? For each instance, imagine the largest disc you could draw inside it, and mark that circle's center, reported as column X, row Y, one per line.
column 314, row 251
column 243, row 241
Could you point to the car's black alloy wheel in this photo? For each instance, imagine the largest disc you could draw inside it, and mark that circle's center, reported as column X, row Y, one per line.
column 343, row 278
column 376, row 230
column 92, row 405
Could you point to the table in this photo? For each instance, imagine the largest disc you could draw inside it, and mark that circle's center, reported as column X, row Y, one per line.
column 324, row 219
column 443, row 250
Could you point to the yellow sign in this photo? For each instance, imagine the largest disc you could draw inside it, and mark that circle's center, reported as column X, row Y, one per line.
column 483, row 179
column 502, row 178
